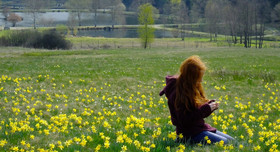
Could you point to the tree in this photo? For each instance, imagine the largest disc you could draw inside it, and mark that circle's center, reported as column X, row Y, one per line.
column 261, row 17
column 78, row 7
column 275, row 14
column 137, row 3
column 230, row 17
column 6, row 12
column 72, row 23
column 197, row 12
column 180, row 12
column 34, row 7
column 94, row 5
column 177, row 13
column 127, row 3
column 117, row 7
column 213, row 17
column 146, row 19
column 14, row 18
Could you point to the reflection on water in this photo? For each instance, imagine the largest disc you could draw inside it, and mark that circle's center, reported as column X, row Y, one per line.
column 122, row 33
column 87, row 19
column 51, row 19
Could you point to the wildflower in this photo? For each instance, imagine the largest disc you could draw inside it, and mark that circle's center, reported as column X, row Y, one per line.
column 47, row 132
column 261, row 139
column 137, row 144
column 60, row 147
column 83, row 143
column 97, row 148
column 234, row 127
column 32, row 136
column 68, row 143
column 257, row 148
column 172, row 135
column 240, row 146
column 135, row 134
column 3, row 142
column 221, row 143
column 181, row 136
column 181, row 146
column 120, row 139
column 168, row 148
column 22, row 143
column 89, row 138
column 106, row 144
column 51, row 146
column 106, row 124
column 124, row 148
column 15, row 148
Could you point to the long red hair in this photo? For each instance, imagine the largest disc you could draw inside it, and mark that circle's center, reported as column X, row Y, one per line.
column 189, row 90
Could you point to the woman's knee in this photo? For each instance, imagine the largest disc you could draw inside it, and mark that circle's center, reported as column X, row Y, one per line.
column 225, row 140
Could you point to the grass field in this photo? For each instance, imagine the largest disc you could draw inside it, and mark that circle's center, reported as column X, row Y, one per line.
column 107, row 100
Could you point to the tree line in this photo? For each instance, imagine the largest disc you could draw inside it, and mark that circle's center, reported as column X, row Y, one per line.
column 242, row 21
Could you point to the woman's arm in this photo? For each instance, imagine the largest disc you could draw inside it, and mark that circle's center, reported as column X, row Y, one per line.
column 198, row 114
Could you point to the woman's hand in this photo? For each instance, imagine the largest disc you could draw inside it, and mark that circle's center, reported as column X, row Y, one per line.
column 214, row 105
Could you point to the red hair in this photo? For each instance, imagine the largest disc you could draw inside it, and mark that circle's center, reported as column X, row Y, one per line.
column 189, row 90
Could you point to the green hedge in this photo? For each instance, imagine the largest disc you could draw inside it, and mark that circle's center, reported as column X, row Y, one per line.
column 49, row 39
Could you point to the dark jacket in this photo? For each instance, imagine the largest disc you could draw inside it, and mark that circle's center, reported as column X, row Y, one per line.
column 187, row 123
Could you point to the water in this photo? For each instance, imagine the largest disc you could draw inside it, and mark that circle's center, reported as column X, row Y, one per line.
column 51, row 19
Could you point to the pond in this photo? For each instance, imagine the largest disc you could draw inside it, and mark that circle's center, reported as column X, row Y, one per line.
column 51, row 19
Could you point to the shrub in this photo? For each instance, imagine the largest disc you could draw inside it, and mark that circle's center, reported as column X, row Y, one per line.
column 49, row 39
column 61, row 29
column 53, row 40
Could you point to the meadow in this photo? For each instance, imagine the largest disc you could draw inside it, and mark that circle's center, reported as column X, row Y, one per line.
column 107, row 100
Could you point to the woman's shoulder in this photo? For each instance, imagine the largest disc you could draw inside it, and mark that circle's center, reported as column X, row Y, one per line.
column 171, row 78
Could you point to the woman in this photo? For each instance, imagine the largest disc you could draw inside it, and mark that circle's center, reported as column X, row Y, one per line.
column 188, row 105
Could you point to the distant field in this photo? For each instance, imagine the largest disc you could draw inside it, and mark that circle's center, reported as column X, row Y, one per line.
column 107, row 99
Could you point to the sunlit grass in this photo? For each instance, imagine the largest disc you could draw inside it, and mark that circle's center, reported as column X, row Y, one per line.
column 107, row 100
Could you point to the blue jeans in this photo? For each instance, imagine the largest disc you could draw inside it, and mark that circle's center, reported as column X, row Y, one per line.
column 214, row 137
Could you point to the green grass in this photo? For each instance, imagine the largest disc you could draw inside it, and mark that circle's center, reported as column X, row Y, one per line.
column 63, row 96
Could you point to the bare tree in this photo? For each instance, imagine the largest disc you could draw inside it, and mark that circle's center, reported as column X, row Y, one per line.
column 116, row 9
column 275, row 14
column 245, row 18
column 252, row 16
column 213, row 17
column 261, row 16
column 72, row 23
column 34, row 7
column 183, row 18
column 14, row 18
column 94, row 6
column 197, row 12
column 78, row 7
column 6, row 12
column 230, row 17
column 136, row 3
